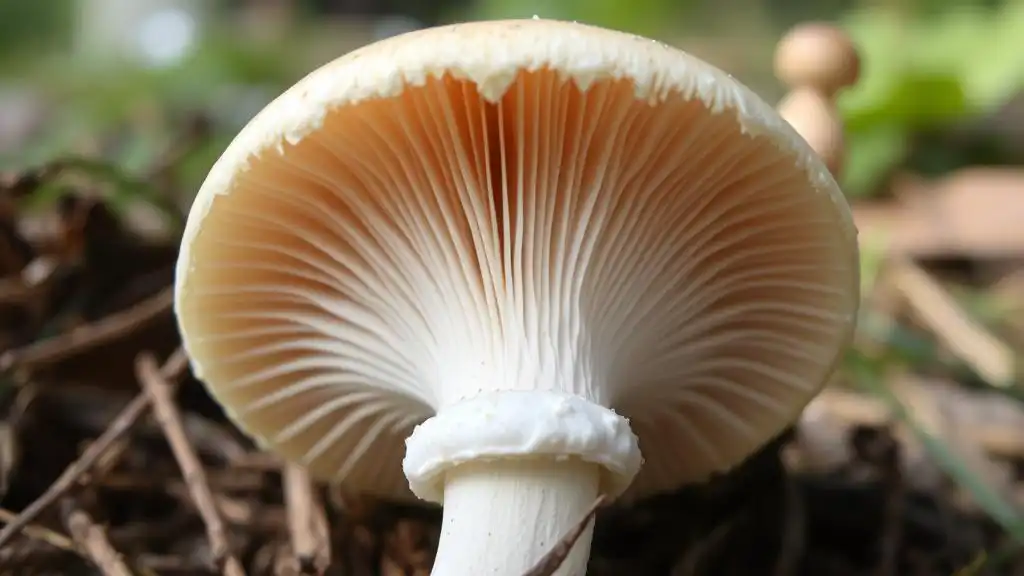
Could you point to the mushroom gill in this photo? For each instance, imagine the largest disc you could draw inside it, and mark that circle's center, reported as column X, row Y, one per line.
column 651, row 256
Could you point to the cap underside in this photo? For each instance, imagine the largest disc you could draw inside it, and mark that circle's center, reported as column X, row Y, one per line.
column 674, row 258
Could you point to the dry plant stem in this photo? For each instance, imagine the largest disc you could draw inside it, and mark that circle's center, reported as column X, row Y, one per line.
column 93, row 541
column 171, row 370
column 888, row 464
column 553, row 559
column 971, row 418
column 80, row 339
column 794, row 532
column 991, row 358
column 40, row 533
column 111, row 458
column 169, row 418
column 33, row 557
column 690, row 564
column 306, row 522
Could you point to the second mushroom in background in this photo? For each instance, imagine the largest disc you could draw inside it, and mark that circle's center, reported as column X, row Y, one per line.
column 519, row 254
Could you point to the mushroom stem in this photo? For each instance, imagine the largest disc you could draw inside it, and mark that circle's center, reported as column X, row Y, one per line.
column 501, row 516
column 516, row 470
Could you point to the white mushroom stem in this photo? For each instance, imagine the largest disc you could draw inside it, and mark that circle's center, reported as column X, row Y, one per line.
column 501, row 516
column 515, row 471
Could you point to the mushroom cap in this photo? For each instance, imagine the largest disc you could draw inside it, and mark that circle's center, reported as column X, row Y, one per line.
column 516, row 205
column 817, row 55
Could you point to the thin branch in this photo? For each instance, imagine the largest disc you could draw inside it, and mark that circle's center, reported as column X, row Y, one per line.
column 41, row 533
column 794, row 531
column 938, row 310
column 551, row 561
column 306, row 522
column 92, row 539
column 129, row 416
column 169, row 418
column 80, row 339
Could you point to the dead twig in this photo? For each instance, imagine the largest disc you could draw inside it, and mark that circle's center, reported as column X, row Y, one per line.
column 883, row 454
column 986, row 354
column 35, row 557
column 551, row 561
column 169, row 418
column 41, row 533
column 306, row 522
column 80, row 339
column 92, row 540
column 794, row 532
column 981, row 418
column 691, row 562
column 172, row 369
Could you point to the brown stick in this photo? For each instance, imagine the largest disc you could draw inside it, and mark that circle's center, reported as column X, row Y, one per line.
column 691, row 564
column 551, row 561
column 92, row 539
column 85, row 337
column 169, row 417
column 938, row 310
column 41, row 533
column 306, row 522
column 794, row 532
column 171, row 370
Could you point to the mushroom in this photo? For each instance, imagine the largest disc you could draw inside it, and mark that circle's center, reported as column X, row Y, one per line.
column 818, row 55
column 489, row 244
column 816, row 61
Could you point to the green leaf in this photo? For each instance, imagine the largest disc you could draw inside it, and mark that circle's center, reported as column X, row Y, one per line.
column 870, row 153
column 917, row 99
column 995, row 71
column 881, row 40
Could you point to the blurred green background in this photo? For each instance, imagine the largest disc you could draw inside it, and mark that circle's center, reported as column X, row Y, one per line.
column 72, row 70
